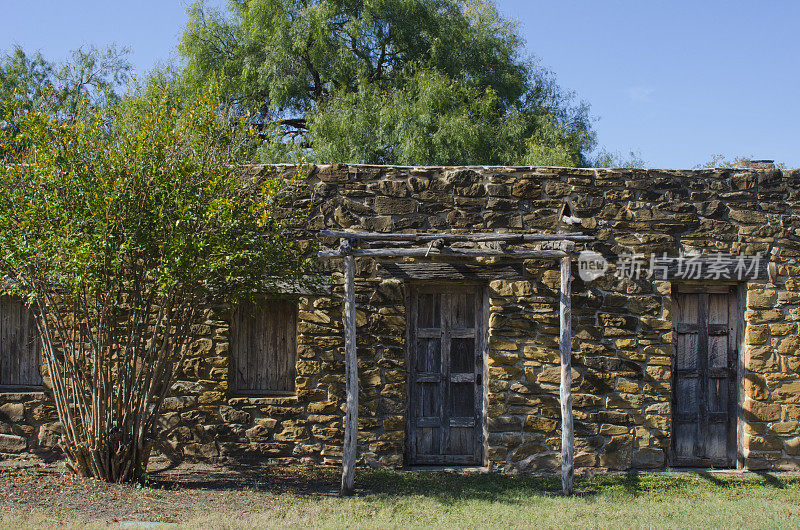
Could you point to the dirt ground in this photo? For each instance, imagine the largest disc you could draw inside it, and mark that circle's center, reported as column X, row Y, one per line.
column 175, row 494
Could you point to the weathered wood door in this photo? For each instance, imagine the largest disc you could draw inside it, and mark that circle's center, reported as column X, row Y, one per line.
column 704, row 377
column 446, row 342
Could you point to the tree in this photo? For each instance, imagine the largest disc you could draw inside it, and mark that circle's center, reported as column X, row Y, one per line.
column 118, row 227
column 90, row 76
column 386, row 81
column 721, row 161
column 608, row 159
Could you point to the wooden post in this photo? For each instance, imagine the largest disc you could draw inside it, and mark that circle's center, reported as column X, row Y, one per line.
column 351, row 372
column 567, row 436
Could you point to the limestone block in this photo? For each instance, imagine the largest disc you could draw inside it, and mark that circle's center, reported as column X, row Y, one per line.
column 178, row 403
column 792, row 446
column 624, row 401
column 785, row 428
column 617, row 454
column 526, row 450
column 763, row 443
column 762, row 360
column 552, row 375
column 585, row 460
column 12, row 412
column 49, row 436
column 504, row 423
column 755, row 387
column 787, row 392
column 761, row 299
column 658, row 373
column 655, row 421
column 760, row 411
column 626, row 385
column 789, row 346
column 763, row 316
column 539, row 424
column 612, row 430
column 210, row 397
column 756, row 334
column 648, row 458
column 231, row 415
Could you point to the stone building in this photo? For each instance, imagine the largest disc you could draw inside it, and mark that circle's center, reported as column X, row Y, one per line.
column 458, row 361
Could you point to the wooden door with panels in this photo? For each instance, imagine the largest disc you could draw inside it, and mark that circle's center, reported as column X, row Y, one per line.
column 705, row 383
column 446, row 328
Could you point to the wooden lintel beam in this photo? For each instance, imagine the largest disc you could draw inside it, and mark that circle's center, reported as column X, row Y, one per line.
column 473, row 237
column 451, row 270
column 455, row 252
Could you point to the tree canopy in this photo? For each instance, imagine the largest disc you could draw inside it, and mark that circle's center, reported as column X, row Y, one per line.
column 386, row 81
column 90, row 77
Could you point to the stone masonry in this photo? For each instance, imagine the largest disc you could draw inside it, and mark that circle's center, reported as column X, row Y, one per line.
column 622, row 329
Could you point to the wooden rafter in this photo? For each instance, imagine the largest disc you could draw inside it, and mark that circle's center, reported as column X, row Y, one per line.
column 476, row 237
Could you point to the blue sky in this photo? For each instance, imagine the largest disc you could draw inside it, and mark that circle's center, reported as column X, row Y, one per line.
column 675, row 81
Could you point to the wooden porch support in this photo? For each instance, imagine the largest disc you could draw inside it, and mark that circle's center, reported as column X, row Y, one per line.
column 351, row 371
column 565, row 349
column 347, row 251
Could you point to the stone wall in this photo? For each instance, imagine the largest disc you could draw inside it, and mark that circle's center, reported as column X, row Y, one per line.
column 622, row 344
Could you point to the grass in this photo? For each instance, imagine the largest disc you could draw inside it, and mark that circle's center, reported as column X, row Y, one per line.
column 390, row 499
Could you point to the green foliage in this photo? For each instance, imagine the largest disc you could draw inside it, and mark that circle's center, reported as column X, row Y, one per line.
column 608, row 159
column 722, row 161
column 90, row 77
column 385, row 81
column 149, row 189
column 120, row 226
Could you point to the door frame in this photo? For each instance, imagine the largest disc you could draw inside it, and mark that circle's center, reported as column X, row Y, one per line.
column 739, row 291
column 482, row 291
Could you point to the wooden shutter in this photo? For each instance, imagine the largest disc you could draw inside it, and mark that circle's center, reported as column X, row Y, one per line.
column 19, row 346
column 704, row 389
column 264, row 347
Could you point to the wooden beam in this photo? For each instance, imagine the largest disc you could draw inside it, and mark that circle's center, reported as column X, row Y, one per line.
column 474, row 237
column 451, row 271
column 455, row 252
column 565, row 349
column 351, row 372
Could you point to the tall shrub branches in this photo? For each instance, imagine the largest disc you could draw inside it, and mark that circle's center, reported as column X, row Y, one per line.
column 119, row 226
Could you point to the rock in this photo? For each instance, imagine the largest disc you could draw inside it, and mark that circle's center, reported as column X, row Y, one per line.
column 761, row 299
column 394, row 206
column 12, row 412
column 539, row 424
column 49, row 437
column 10, row 443
column 505, row 423
column 231, row 415
column 617, row 453
column 648, row 458
column 758, row 411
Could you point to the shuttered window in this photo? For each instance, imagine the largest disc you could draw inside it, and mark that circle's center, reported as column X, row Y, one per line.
column 264, row 347
column 19, row 346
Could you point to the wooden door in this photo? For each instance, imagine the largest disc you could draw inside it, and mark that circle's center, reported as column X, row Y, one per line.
column 704, row 378
column 445, row 353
